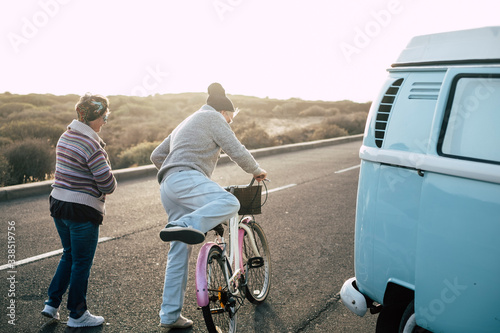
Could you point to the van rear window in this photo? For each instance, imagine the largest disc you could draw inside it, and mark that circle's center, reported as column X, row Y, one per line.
column 471, row 128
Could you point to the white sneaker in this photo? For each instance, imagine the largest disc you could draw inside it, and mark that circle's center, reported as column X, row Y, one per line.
column 182, row 322
column 86, row 320
column 50, row 312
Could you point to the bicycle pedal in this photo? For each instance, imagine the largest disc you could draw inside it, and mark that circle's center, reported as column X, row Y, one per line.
column 219, row 230
column 255, row 262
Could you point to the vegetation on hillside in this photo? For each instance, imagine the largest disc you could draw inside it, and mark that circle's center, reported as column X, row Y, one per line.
column 30, row 126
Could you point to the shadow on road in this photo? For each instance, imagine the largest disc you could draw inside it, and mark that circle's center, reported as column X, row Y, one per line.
column 52, row 326
column 266, row 318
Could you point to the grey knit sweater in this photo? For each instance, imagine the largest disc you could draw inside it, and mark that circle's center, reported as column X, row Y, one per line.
column 197, row 142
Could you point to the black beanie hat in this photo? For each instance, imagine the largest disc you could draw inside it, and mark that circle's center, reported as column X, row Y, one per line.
column 217, row 98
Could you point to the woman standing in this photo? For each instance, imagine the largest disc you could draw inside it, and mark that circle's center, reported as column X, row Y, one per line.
column 83, row 178
column 195, row 204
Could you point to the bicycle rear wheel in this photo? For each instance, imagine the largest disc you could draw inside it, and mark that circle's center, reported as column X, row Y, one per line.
column 219, row 314
column 257, row 265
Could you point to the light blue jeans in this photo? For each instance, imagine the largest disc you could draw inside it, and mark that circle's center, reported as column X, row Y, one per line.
column 190, row 200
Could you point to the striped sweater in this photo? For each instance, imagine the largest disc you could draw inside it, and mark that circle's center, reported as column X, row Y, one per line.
column 83, row 173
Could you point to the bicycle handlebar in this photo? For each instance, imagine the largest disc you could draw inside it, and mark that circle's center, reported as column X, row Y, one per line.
column 228, row 188
column 253, row 181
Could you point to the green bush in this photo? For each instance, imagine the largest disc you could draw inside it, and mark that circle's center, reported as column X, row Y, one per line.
column 353, row 123
column 134, row 110
column 26, row 129
column 136, row 122
column 253, row 136
column 327, row 132
column 36, row 99
column 313, row 111
column 30, row 160
column 113, row 152
column 4, row 141
column 5, row 171
column 332, row 112
column 136, row 155
column 294, row 135
column 42, row 114
column 13, row 107
column 258, row 138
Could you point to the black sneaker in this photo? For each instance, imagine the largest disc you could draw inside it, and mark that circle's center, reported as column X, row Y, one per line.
column 182, row 234
column 219, row 230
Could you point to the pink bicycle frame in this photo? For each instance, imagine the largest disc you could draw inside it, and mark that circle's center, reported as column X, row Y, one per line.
column 201, row 266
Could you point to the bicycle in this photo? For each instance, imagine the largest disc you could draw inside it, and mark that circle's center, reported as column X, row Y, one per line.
column 227, row 273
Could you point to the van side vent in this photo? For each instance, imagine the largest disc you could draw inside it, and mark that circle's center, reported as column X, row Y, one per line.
column 425, row 90
column 384, row 109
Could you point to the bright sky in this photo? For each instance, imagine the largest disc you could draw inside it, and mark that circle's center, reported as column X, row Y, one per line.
column 314, row 50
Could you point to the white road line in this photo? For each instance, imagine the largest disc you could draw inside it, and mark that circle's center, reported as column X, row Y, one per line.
column 43, row 256
column 348, row 169
column 103, row 239
column 279, row 188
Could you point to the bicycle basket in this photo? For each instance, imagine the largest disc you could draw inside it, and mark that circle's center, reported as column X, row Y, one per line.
column 249, row 198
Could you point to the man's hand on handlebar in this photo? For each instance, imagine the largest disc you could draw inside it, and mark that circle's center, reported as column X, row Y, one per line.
column 262, row 176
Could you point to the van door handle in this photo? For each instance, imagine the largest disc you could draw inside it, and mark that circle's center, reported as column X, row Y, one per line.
column 420, row 172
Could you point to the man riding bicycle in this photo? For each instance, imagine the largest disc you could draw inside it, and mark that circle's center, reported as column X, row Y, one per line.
column 193, row 202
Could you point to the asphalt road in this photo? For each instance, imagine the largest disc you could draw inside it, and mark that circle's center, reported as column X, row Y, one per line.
column 310, row 228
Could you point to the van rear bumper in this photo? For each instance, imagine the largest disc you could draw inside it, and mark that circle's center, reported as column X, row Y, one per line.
column 352, row 298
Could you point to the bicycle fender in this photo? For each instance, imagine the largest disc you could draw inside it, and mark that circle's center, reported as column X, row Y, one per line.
column 201, row 274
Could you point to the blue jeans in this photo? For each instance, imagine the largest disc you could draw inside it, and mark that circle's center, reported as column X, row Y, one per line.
column 190, row 200
column 79, row 241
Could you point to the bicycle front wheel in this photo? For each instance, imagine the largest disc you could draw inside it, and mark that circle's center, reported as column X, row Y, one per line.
column 219, row 314
column 257, row 259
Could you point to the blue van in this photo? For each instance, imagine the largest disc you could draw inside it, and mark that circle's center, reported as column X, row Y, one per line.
column 427, row 234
